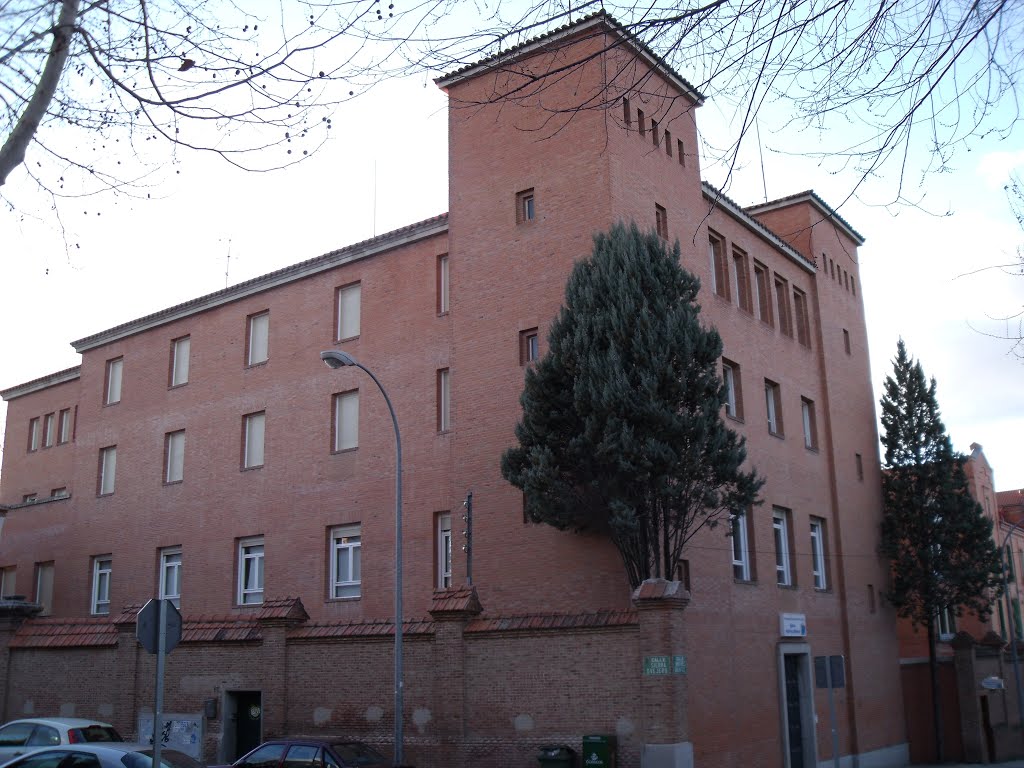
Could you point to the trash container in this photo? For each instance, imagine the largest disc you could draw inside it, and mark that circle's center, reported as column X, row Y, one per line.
column 598, row 751
column 557, row 757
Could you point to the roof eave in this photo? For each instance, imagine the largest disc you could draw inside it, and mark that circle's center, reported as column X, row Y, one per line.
column 816, row 202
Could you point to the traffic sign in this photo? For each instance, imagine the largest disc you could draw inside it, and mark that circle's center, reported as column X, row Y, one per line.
column 147, row 626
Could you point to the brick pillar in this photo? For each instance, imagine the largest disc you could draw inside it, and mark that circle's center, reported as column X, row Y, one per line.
column 966, row 693
column 12, row 615
column 126, row 702
column 275, row 618
column 665, row 731
column 452, row 610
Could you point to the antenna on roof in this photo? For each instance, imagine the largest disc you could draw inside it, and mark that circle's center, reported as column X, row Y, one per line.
column 227, row 264
column 760, row 149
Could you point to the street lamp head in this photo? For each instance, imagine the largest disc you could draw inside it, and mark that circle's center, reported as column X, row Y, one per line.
column 335, row 358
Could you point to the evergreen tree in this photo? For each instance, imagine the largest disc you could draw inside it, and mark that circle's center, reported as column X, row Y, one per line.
column 934, row 533
column 622, row 429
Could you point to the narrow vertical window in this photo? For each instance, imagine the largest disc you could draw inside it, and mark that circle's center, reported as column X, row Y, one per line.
column 444, row 400
column 853, row 285
column 345, row 425
column 773, row 405
column 346, row 561
column 740, row 547
column 253, row 436
column 44, row 587
column 641, row 122
column 661, row 221
column 741, row 277
column 679, row 152
column 64, row 426
column 529, row 346
column 49, row 432
column 810, row 423
column 349, row 301
column 946, row 623
column 250, row 571
column 846, row 341
column 764, row 301
column 780, row 524
column 174, row 456
column 627, row 115
column 782, row 306
column 803, row 327
column 170, row 575
column 258, row 339
column 108, row 470
column 859, row 461
column 719, row 272
column 818, row 553
column 526, row 208
column 33, row 434
column 112, row 391
column 101, row 570
column 668, row 143
column 181, row 351
column 444, row 550
column 654, row 131
column 442, row 284
column 733, row 389
column 8, row 582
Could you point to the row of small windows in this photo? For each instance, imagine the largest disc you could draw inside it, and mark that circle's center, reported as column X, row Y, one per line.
column 50, row 429
column 659, row 137
column 768, row 298
column 744, row 549
column 844, row 278
column 344, row 570
column 773, row 405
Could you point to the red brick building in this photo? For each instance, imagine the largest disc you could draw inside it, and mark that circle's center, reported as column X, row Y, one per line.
column 205, row 454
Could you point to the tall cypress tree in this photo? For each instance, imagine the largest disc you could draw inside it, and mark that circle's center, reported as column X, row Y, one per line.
column 933, row 531
column 622, row 429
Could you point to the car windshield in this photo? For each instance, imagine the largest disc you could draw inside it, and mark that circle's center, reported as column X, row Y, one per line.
column 357, row 753
column 92, row 733
column 169, row 758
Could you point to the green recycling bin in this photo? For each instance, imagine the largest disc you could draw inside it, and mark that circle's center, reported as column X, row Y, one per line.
column 557, row 757
column 599, row 751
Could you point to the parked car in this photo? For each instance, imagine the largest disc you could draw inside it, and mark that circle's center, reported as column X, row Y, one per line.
column 20, row 736
column 312, row 753
column 109, row 755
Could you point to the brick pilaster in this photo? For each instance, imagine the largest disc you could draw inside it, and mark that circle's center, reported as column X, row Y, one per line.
column 452, row 610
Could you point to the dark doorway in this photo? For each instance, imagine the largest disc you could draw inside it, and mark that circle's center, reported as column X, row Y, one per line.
column 243, row 722
column 794, row 711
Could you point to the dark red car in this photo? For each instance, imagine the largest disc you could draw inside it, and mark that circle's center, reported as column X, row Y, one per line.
column 312, row 753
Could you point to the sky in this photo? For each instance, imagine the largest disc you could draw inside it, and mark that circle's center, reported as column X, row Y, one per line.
column 925, row 277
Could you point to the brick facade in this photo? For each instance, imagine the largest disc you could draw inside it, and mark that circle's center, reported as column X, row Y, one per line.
column 559, row 650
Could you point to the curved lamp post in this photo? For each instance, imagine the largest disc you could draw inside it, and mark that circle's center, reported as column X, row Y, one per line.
column 1012, row 617
column 335, row 358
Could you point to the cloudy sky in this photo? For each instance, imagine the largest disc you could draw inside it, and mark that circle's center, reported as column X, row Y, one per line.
column 924, row 274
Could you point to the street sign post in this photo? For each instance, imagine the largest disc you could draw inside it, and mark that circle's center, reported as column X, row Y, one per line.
column 158, row 629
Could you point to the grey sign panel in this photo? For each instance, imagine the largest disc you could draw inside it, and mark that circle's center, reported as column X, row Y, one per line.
column 147, row 626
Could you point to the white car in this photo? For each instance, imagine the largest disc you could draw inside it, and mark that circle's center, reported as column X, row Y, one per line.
column 20, row 736
column 109, row 755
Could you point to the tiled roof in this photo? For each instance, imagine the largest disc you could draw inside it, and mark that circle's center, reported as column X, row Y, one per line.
column 220, row 629
column 371, row 628
column 535, row 622
column 600, row 19
column 456, row 600
column 287, row 608
column 65, row 633
column 385, row 242
column 660, row 589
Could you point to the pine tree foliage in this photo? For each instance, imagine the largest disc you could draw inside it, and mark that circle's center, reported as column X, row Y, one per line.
column 935, row 534
column 621, row 429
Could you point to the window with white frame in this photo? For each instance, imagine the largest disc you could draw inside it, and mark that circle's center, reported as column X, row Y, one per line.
column 346, row 421
column 181, row 351
column 108, row 470
column 33, row 434
column 818, row 553
column 8, row 581
column 719, row 270
column 64, row 426
column 115, row 368
column 170, row 575
column 250, row 571
column 349, row 309
column 773, row 407
column 443, row 284
column 444, row 550
column 444, row 400
column 740, row 546
column 253, row 435
column 346, row 561
column 258, row 341
column 946, row 624
column 174, row 464
column 101, row 570
column 49, row 434
column 44, row 587
column 810, row 423
column 733, row 389
column 741, row 277
column 783, row 568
